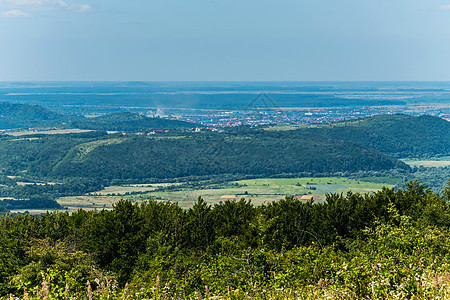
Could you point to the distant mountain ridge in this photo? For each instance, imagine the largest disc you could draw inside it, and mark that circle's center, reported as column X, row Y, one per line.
column 17, row 116
column 25, row 116
column 128, row 121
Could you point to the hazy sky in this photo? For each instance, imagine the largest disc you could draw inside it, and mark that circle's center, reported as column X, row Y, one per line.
column 224, row 40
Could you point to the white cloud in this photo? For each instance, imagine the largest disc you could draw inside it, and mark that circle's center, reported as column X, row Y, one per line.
column 14, row 13
column 444, row 7
column 36, row 3
column 80, row 7
column 43, row 5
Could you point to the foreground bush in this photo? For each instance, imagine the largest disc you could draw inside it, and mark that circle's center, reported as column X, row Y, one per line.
column 390, row 245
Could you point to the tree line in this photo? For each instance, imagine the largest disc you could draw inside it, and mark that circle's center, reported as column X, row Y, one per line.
column 235, row 245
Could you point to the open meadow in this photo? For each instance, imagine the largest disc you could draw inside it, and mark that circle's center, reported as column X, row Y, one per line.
column 47, row 132
column 443, row 161
column 259, row 191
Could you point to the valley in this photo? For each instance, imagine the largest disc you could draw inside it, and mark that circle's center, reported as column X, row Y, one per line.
column 98, row 161
column 259, row 191
column 286, row 205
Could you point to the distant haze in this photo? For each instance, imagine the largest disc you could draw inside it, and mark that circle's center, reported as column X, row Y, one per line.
column 155, row 98
column 200, row 40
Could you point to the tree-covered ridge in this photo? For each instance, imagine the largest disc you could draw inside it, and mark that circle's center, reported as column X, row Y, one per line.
column 395, row 135
column 86, row 162
column 126, row 121
column 81, row 163
column 37, row 155
column 26, row 116
column 391, row 244
column 15, row 116
column 98, row 155
column 190, row 155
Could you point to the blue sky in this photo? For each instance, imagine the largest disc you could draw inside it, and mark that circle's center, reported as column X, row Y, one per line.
column 224, row 40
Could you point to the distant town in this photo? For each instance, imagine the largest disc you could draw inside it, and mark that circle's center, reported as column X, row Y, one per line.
column 303, row 116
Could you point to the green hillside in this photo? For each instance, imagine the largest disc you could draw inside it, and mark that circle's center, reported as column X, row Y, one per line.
column 16, row 116
column 86, row 162
column 396, row 135
column 25, row 116
column 179, row 155
column 340, row 147
column 141, row 158
column 126, row 121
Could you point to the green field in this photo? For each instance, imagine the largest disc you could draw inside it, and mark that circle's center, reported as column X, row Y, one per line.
column 258, row 190
column 443, row 161
column 284, row 127
column 130, row 188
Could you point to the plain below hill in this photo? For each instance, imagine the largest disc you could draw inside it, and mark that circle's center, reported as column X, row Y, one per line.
column 399, row 136
column 127, row 121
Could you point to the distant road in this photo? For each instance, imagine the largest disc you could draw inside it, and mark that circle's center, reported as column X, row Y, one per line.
column 53, row 131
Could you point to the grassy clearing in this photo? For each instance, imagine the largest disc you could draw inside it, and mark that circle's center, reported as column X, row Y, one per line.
column 175, row 137
column 54, row 131
column 439, row 162
column 33, row 211
column 88, row 202
column 19, row 183
column 383, row 180
column 24, row 139
column 122, row 190
column 86, row 148
column 283, row 127
column 260, row 191
column 77, row 153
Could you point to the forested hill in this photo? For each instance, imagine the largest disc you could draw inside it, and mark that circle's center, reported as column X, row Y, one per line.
column 169, row 156
column 25, row 116
column 16, row 116
column 140, row 158
column 395, row 135
column 126, row 121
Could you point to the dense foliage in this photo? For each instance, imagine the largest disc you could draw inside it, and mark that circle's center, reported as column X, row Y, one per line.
column 26, row 116
column 75, row 164
column 209, row 154
column 433, row 177
column 32, row 203
column 52, row 166
column 177, row 155
column 396, row 135
column 126, row 121
column 391, row 244
column 13, row 116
